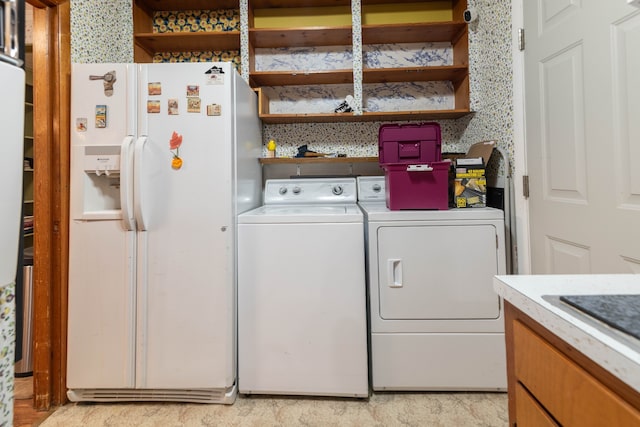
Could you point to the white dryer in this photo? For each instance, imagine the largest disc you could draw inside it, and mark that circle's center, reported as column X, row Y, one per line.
column 436, row 323
column 302, row 325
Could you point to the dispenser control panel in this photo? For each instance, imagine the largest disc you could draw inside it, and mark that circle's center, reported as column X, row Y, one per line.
column 102, row 160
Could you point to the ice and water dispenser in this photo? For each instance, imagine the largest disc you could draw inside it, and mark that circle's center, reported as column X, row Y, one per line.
column 100, row 182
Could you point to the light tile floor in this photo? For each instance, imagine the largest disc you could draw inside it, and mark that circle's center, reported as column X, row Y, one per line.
column 380, row 410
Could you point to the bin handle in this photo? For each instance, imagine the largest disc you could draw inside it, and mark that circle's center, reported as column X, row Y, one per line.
column 419, row 168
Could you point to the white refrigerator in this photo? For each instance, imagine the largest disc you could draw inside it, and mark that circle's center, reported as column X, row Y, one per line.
column 163, row 159
column 12, row 81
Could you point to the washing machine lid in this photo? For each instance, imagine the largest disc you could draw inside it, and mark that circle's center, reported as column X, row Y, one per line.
column 289, row 214
column 378, row 211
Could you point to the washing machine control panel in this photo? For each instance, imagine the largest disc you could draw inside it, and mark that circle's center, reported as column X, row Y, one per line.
column 310, row 191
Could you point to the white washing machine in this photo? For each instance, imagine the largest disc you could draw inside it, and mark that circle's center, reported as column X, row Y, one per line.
column 436, row 323
column 302, row 325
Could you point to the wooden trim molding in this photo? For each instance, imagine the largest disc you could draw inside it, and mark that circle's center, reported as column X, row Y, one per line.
column 51, row 59
column 41, row 4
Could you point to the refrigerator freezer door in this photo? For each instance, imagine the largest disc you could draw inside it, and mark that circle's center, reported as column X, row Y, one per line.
column 101, row 332
column 101, row 336
column 11, row 165
column 186, row 253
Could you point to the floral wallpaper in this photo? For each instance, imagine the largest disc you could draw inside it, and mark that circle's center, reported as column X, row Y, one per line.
column 7, row 352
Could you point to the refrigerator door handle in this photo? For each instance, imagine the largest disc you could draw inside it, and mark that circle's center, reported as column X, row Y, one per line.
column 138, row 170
column 126, row 184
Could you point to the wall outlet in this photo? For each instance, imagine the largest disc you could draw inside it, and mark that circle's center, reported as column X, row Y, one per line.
column 635, row 3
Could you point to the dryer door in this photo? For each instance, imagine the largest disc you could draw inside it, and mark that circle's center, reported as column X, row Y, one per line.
column 437, row 272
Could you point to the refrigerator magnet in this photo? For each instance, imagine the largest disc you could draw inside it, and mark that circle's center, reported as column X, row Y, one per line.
column 193, row 105
column 193, row 90
column 154, row 88
column 214, row 110
column 153, row 107
column 174, row 147
column 81, row 124
column 173, row 107
column 101, row 116
column 214, row 76
column 215, row 79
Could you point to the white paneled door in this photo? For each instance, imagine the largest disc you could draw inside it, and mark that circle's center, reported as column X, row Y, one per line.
column 583, row 135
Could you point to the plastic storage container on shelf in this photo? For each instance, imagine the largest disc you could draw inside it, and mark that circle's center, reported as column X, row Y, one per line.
column 415, row 175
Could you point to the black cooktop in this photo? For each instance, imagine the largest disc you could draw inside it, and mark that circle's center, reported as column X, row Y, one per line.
column 621, row 312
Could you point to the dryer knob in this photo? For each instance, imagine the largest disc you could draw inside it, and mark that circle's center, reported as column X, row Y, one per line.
column 337, row 190
column 297, row 190
column 376, row 188
column 282, row 191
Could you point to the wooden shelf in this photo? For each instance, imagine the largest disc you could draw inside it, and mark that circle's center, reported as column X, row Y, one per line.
column 185, row 42
column 268, row 4
column 454, row 73
column 290, row 78
column 308, row 160
column 366, row 117
column 297, row 37
column 413, row 33
column 188, row 4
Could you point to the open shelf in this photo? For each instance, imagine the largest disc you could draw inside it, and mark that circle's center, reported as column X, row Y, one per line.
column 365, row 117
column 309, row 160
column 291, row 78
column 454, row 73
column 413, row 33
column 185, row 41
column 187, row 4
column 297, row 37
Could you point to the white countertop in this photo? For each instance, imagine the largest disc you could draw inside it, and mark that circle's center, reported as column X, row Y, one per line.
column 614, row 352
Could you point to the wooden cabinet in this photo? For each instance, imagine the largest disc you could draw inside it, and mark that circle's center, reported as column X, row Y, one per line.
column 551, row 383
column 179, row 30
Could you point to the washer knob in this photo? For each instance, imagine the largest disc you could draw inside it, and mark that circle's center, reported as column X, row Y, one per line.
column 337, row 190
column 297, row 190
column 282, row 191
column 376, row 188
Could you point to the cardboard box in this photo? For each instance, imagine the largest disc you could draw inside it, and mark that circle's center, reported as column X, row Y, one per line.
column 470, row 182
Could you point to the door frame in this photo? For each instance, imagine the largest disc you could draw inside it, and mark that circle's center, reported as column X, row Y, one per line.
column 520, row 170
column 52, row 68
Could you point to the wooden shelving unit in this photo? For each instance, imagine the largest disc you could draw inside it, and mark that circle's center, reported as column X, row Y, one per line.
column 148, row 43
column 27, row 175
column 454, row 32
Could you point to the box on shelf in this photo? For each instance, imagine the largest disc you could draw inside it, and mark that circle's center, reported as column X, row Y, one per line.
column 415, row 176
column 470, row 183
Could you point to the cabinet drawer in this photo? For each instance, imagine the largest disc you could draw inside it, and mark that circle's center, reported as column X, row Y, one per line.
column 530, row 413
column 565, row 390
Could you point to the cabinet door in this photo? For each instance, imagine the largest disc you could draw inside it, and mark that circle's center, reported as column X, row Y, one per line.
column 530, row 413
column 437, row 272
column 572, row 395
